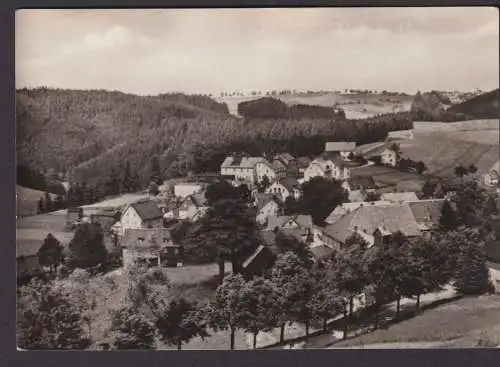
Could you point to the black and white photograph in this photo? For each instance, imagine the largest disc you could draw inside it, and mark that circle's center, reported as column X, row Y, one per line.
column 257, row 178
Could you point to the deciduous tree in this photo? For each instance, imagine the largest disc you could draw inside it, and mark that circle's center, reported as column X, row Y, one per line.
column 50, row 253
column 320, row 196
column 87, row 246
column 47, row 319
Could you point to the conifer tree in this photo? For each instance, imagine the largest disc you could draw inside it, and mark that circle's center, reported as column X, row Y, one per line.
column 448, row 220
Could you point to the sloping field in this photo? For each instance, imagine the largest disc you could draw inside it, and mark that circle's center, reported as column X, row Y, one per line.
column 27, row 200
column 444, row 146
column 458, row 324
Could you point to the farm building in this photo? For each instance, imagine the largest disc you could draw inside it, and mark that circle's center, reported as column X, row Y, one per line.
column 261, row 259
column 154, row 246
column 106, row 218
column 142, row 214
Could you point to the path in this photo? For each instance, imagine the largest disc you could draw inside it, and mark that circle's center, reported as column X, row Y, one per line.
column 324, row 340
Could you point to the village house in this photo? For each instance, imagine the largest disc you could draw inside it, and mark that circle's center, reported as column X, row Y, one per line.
column 492, row 177
column 284, row 188
column 274, row 171
column 427, row 213
column 298, row 226
column 142, row 214
column 105, row 217
column 185, row 189
column 329, row 165
column 289, row 162
column 302, row 164
column 240, row 168
column 344, row 149
column 266, row 206
column 387, row 155
column 154, row 246
column 355, row 182
column 366, row 220
column 191, row 208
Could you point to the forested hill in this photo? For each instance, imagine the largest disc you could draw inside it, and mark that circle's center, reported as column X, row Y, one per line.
column 483, row 106
column 90, row 133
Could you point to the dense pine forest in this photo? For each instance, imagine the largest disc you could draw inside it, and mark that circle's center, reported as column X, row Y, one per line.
column 88, row 134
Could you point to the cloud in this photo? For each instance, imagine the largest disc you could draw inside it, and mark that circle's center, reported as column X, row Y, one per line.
column 155, row 51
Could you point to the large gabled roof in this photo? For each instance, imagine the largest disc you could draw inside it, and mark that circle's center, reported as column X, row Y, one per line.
column 394, row 218
column 147, row 210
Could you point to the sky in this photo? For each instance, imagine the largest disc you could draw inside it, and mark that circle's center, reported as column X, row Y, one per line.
column 149, row 52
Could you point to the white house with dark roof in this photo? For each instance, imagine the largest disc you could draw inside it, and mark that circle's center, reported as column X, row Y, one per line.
column 240, row 168
column 266, row 206
column 142, row 214
column 274, row 171
column 284, row 188
column 343, row 148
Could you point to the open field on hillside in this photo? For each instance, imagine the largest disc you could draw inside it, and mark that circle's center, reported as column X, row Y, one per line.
column 355, row 105
column 459, row 324
column 27, row 200
column 444, row 146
